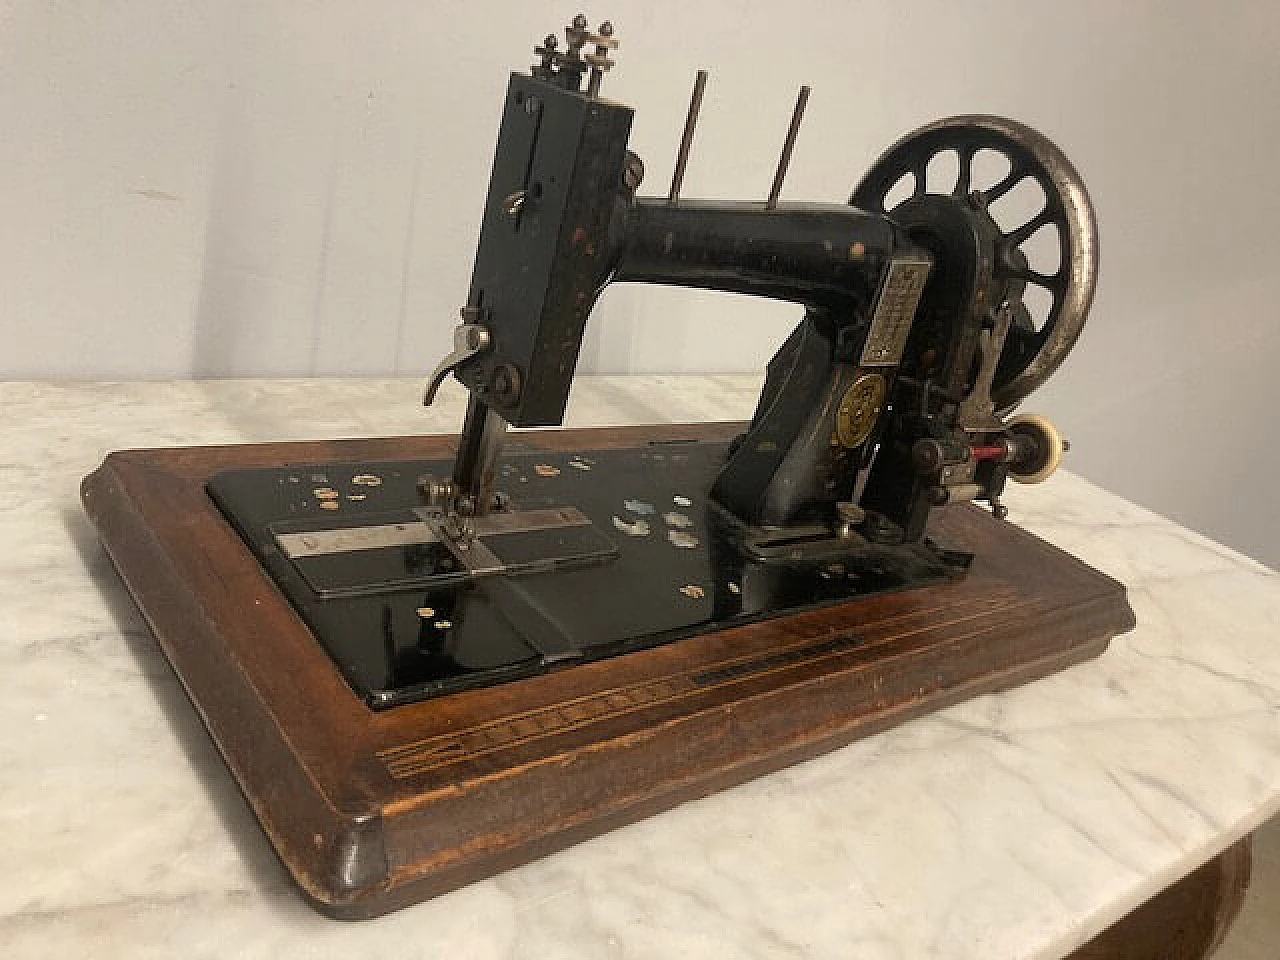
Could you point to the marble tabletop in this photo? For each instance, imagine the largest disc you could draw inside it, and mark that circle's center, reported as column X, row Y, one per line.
column 1014, row 825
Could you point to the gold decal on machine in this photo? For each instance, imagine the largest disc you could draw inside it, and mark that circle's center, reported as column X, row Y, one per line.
column 859, row 409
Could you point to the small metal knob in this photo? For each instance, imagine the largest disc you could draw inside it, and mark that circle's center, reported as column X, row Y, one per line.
column 515, row 202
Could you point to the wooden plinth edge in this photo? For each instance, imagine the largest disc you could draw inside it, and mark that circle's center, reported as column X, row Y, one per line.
column 1187, row 921
column 374, row 811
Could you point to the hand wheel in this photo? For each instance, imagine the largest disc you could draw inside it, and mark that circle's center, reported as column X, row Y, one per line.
column 1035, row 346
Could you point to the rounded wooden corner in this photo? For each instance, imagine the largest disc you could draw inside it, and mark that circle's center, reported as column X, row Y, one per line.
column 343, row 871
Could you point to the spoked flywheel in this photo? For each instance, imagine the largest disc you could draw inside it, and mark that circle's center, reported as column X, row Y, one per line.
column 990, row 162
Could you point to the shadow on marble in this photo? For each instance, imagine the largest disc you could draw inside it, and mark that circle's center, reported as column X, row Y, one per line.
column 265, row 871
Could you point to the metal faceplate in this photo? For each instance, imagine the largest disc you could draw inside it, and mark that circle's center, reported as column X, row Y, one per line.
column 518, row 541
column 895, row 310
column 557, row 170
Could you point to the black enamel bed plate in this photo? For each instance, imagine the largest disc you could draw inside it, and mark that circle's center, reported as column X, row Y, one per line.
column 611, row 551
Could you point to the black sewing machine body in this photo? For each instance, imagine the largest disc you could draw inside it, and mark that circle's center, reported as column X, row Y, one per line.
column 541, row 639
column 886, row 402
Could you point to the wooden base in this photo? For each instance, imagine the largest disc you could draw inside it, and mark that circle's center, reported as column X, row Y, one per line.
column 374, row 811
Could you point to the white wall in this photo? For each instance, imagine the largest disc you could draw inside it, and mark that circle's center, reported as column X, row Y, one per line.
column 245, row 187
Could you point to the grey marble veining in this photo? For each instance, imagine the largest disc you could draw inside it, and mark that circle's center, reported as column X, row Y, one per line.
column 1015, row 825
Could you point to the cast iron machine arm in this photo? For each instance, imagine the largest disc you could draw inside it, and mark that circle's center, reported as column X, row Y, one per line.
column 888, row 398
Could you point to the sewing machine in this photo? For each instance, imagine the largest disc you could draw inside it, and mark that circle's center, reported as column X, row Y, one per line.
column 649, row 613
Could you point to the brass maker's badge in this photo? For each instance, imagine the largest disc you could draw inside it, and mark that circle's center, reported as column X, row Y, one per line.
column 859, row 409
